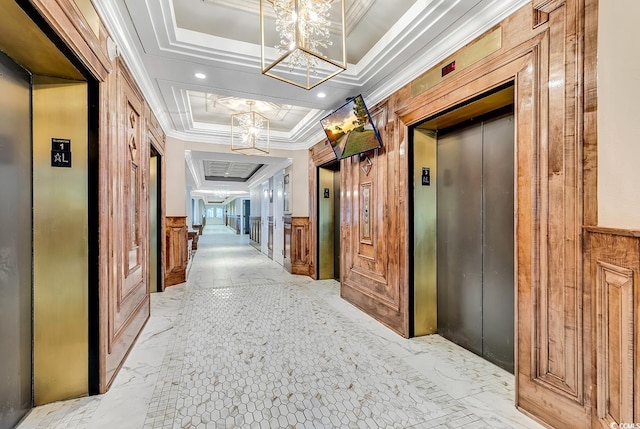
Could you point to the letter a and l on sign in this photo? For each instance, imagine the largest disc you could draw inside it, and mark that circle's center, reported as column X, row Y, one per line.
column 60, row 152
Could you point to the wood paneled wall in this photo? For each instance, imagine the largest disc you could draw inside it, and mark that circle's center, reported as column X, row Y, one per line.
column 300, row 249
column 125, row 304
column 177, row 250
column 548, row 50
column 234, row 222
column 255, row 229
column 126, row 129
column 613, row 268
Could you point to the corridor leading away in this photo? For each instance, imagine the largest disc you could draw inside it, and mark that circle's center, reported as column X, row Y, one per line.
column 245, row 344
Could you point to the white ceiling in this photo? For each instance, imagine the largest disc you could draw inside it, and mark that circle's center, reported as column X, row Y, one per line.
column 389, row 43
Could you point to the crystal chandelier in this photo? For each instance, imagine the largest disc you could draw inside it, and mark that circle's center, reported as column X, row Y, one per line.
column 303, row 39
column 249, row 132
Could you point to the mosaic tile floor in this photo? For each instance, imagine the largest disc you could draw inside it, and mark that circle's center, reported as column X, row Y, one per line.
column 244, row 344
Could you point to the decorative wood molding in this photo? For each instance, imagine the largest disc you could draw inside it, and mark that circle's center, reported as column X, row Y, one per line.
column 547, row 6
column 613, row 273
column 300, row 246
column 613, row 231
column 322, row 153
column 67, row 20
column 615, row 343
column 177, row 250
column 286, row 221
column 124, row 290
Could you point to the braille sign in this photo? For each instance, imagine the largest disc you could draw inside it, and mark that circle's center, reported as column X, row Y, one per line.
column 60, row 153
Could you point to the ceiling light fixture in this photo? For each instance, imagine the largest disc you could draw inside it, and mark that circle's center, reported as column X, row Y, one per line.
column 201, row 75
column 309, row 38
column 321, row 95
column 249, row 132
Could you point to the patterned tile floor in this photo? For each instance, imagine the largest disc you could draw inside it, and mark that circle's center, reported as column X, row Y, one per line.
column 244, row 344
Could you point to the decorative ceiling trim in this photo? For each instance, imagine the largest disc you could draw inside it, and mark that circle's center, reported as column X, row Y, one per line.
column 470, row 29
column 304, row 135
column 362, row 76
column 115, row 22
column 355, row 13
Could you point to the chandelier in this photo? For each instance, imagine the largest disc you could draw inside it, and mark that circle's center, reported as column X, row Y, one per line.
column 249, row 132
column 303, row 41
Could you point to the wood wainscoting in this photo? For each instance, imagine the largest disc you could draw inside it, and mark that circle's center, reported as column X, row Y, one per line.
column 234, row 222
column 613, row 268
column 548, row 50
column 255, row 229
column 177, row 250
column 296, row 245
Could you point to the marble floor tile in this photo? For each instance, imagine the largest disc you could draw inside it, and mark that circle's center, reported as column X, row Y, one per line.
column 244, row 344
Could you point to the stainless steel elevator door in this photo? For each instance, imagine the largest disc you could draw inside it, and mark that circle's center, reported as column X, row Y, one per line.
column 498, row 242
column 475, row 211
column 459, row 236
column 15, row 242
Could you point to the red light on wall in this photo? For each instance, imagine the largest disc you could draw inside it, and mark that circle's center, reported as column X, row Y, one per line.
column 448, row 68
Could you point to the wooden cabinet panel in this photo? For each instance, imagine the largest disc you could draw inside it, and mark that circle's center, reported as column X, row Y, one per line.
column 176, row 250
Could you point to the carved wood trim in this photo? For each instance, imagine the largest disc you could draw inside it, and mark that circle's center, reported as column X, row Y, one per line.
column 322, row 153
column 559, row 363
column 300, row 245
column 548, row 6
column 614, row 269
column 613, row 231
column 615, row 343
column 177, row 252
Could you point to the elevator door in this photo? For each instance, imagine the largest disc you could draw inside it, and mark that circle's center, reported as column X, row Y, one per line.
column 15, row 242
column 475, row 203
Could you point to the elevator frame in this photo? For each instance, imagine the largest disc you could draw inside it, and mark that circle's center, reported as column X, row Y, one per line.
column 488, row 101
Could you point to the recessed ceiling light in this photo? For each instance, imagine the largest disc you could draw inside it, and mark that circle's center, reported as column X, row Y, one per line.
column 321, row 95
column 201, row 75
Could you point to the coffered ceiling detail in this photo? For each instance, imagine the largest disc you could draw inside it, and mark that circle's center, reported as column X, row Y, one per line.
column 389, row 43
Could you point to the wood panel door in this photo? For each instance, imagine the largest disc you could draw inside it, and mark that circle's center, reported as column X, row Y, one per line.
column 127, row 303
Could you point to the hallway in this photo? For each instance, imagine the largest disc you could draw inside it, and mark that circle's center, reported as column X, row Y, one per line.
column 245, row 344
